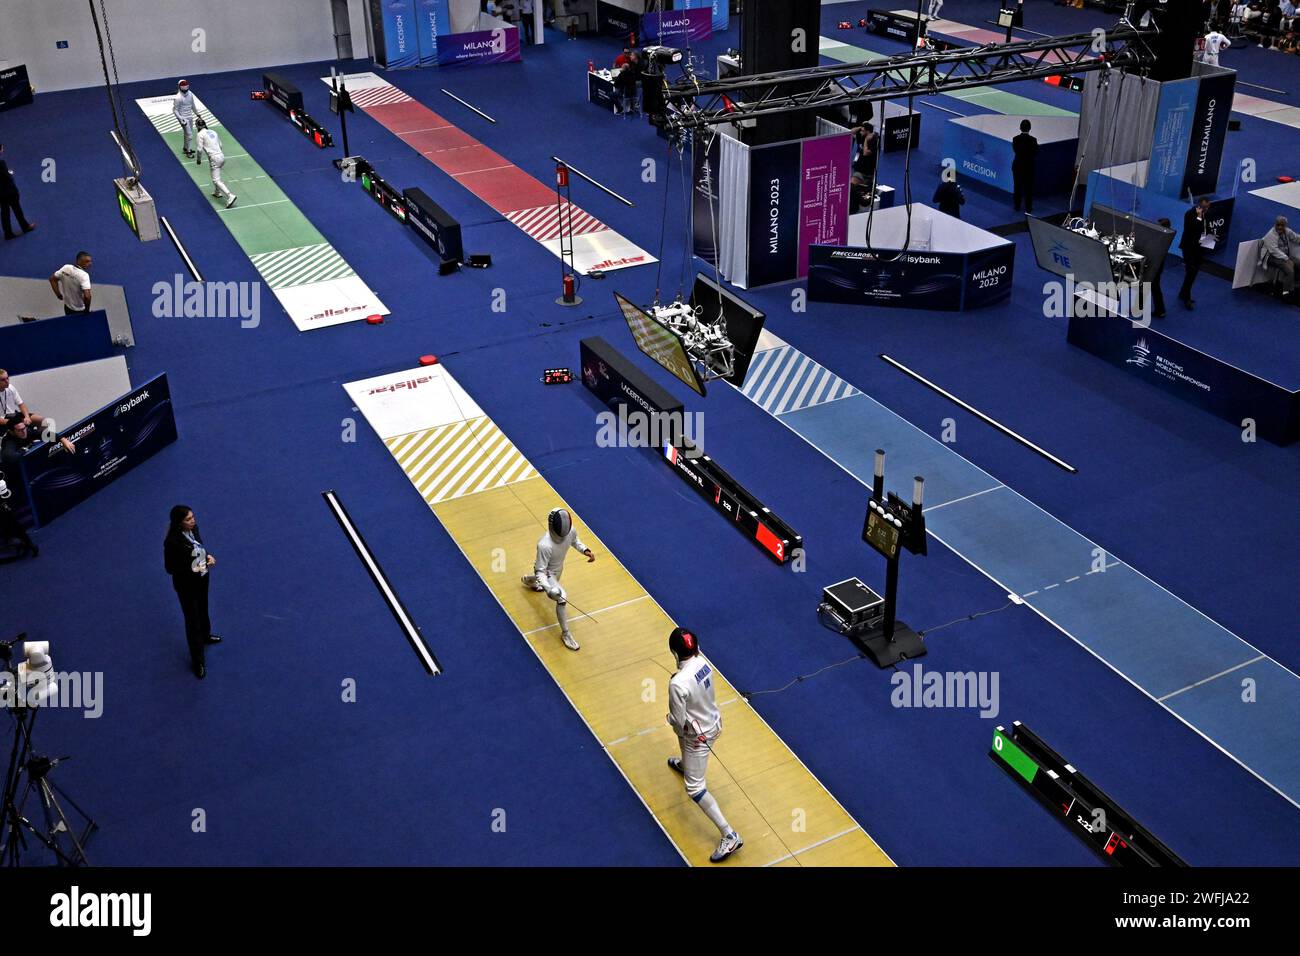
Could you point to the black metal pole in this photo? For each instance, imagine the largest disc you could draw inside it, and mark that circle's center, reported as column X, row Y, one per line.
column 891, row 596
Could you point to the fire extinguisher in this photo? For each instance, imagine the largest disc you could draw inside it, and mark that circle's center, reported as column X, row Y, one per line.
column 570, row 288
column 562, row 176
column 591, row 66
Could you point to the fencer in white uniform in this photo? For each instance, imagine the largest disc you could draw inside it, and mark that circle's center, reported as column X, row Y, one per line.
column 210, row 146
column 935, row 7
column 694, row 717
column 184, row 111
column 1214, row 43
column 552, row 548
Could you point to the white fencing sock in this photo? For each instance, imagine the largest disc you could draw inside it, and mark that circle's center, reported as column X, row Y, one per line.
column 713, row 812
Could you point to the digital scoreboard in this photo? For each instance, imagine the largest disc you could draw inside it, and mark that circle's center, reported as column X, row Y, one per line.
column 882, row 533
column 137, row 209
column 379, row 190
column 1114, row 835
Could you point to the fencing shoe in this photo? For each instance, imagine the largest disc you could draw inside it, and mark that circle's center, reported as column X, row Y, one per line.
column 231, row 201
column 570, row 641
column 530, row 581
column 675, row 763
column 727, row 846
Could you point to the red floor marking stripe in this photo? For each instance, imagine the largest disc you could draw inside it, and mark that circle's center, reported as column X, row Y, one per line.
column 524, row 200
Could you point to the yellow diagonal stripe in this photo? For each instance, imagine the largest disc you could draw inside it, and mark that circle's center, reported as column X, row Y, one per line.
column 463, row 458
column 494, row 504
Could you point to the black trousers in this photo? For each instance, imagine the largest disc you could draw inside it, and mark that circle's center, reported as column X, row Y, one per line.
column 527, row 19
column 1192, row 259
column 1157, row 293
column 6, row 204
column 1022, row 185
column 193, row 596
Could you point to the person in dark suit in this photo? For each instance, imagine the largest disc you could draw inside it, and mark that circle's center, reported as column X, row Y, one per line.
column 189, row 564
column 1198, row 239
column 1024, row 161
column 949, row 198
column 867, row 144
column 9, row 201
column 1157, row 293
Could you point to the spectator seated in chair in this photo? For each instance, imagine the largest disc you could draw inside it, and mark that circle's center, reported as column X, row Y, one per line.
column 1279, row 252
column 18, row 439
column 13, row 408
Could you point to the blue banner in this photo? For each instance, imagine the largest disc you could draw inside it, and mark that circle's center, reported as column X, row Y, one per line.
column 395, row 32
column 15, row 88
column 108, row 443
column 677, row 27
column 1172, row 137
column 500, row 45
column 434, row 20
column 720, row 13
column 1190, row 374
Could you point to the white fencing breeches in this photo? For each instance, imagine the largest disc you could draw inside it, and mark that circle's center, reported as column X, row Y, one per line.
column 218, row 186
column 550, row 584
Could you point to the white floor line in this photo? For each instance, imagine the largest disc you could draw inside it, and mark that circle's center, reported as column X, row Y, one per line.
column 273, row 202
column 578, row 615
column 813, row 846
column 1253, row 660
column 1294, row 801
column 964, row 498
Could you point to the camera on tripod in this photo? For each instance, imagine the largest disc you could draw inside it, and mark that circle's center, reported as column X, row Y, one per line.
column 26, row 689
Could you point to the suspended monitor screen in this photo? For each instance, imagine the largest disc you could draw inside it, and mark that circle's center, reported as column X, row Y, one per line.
column 743, row 322
column 660, row 343
column 1067, row 253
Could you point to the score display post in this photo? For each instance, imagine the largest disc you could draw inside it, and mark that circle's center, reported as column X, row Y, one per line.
column 891, row 527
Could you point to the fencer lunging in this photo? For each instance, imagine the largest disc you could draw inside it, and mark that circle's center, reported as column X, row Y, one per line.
column 552, row 548
column 210, row 146
column 183, row 109
column 693, row 715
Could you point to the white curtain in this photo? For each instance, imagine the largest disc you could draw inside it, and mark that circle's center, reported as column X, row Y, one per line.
column 733, row 209
column 1117, row 123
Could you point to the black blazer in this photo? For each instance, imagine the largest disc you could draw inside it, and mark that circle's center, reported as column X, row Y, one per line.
column 7, row 188
column 1193, row 229
column 1025, row 150
column 178, row 557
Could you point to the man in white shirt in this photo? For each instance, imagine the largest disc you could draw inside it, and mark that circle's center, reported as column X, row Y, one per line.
column 693, row 715
column 13, row 408
column 1214, row 42
column 184, row 111
column 210, row 146
column 552, row 548
column 71, row 284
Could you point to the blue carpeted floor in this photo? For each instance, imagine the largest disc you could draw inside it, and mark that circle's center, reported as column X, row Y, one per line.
column 415, row 770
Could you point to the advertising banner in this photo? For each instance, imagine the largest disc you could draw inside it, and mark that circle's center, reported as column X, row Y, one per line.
column 109, row 443
column 719, row 11
column 500, row 45
column 1190, row 374
column 1209, row 129
column 774, row 196
column 916, row 280
column 616, row 21
column 677, row 27
column 433, row 19
column 15, row 87
column 704, row 196
column 824, row 194
column 393, row 26
column 1172, row 137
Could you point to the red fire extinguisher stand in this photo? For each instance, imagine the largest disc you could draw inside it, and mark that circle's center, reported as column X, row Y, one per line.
column 564, row 208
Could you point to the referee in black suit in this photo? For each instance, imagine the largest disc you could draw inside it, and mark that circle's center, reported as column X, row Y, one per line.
column 1196, row 227
column 9, row 201
column 189, row 564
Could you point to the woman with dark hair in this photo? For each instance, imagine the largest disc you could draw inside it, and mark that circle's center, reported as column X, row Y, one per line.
column 188, row 562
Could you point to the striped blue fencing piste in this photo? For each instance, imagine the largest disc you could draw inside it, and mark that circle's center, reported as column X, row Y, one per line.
column 785, row 380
